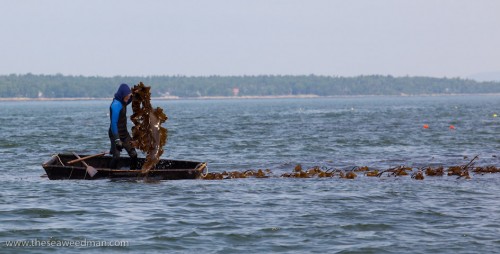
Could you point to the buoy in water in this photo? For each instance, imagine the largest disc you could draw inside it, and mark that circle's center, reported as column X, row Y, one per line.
column 426, row 126
column 494, row 115
column 452, row 127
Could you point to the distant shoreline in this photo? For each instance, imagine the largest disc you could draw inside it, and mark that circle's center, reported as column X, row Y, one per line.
column 304, row 96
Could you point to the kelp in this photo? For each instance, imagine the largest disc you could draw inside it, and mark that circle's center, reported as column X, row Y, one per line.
column 148, row 134
column 429, row 171
column 461, row 171
column 486, row 170
column 238, row 174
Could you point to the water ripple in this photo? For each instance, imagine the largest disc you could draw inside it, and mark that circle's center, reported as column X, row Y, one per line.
column 366, row 215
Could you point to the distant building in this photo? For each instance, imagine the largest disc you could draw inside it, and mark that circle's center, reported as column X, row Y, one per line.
column 236, row 91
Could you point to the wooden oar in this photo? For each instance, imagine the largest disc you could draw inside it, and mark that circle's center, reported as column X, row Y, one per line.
column 84, row 158
column 90, row 170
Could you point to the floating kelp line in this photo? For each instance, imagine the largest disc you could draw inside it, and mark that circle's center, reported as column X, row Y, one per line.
column 237, row 174
column 461, row 172
column 149, row 135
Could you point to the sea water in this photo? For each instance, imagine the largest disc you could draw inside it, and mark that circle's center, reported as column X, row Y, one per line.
column 282, row 215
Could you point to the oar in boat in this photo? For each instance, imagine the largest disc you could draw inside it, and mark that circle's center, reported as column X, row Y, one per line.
column 86, row 157
column 90, row 170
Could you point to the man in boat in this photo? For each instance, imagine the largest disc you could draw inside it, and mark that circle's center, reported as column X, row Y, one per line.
column 118, row 132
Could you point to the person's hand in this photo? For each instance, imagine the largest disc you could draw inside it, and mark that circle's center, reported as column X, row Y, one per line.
column 119, row 144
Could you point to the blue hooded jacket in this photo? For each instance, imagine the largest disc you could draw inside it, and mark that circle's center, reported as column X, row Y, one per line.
column 123, row 91
column 118, row 109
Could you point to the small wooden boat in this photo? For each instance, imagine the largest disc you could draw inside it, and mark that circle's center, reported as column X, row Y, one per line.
column 57, row 168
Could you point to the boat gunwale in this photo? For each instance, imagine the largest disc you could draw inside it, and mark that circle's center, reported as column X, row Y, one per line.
column 128, row 170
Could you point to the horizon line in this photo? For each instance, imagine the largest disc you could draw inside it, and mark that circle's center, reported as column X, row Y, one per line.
column 239, row 75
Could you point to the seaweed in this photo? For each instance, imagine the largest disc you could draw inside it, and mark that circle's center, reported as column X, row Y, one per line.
column 148, row 134
column 238, row 174
column 461, row 171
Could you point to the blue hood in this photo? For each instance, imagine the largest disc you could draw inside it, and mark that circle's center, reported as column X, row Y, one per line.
column 123, row 91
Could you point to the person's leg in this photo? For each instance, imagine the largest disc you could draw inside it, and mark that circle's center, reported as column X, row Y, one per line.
column 115, row 152
column 131, row 152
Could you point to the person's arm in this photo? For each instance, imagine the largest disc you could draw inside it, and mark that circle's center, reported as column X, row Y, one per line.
column 115, row 114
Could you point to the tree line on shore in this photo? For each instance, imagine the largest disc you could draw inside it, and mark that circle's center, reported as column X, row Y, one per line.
column 62, row 86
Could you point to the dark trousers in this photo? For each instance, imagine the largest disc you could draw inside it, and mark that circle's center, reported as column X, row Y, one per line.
column 116, row 152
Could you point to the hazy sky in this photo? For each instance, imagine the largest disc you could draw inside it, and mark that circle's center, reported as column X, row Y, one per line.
column 452, row 38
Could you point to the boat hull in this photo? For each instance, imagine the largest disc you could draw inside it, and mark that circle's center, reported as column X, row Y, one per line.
column 57, row 168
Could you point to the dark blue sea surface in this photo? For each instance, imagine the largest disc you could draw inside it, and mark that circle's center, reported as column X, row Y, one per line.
column 282, row 215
